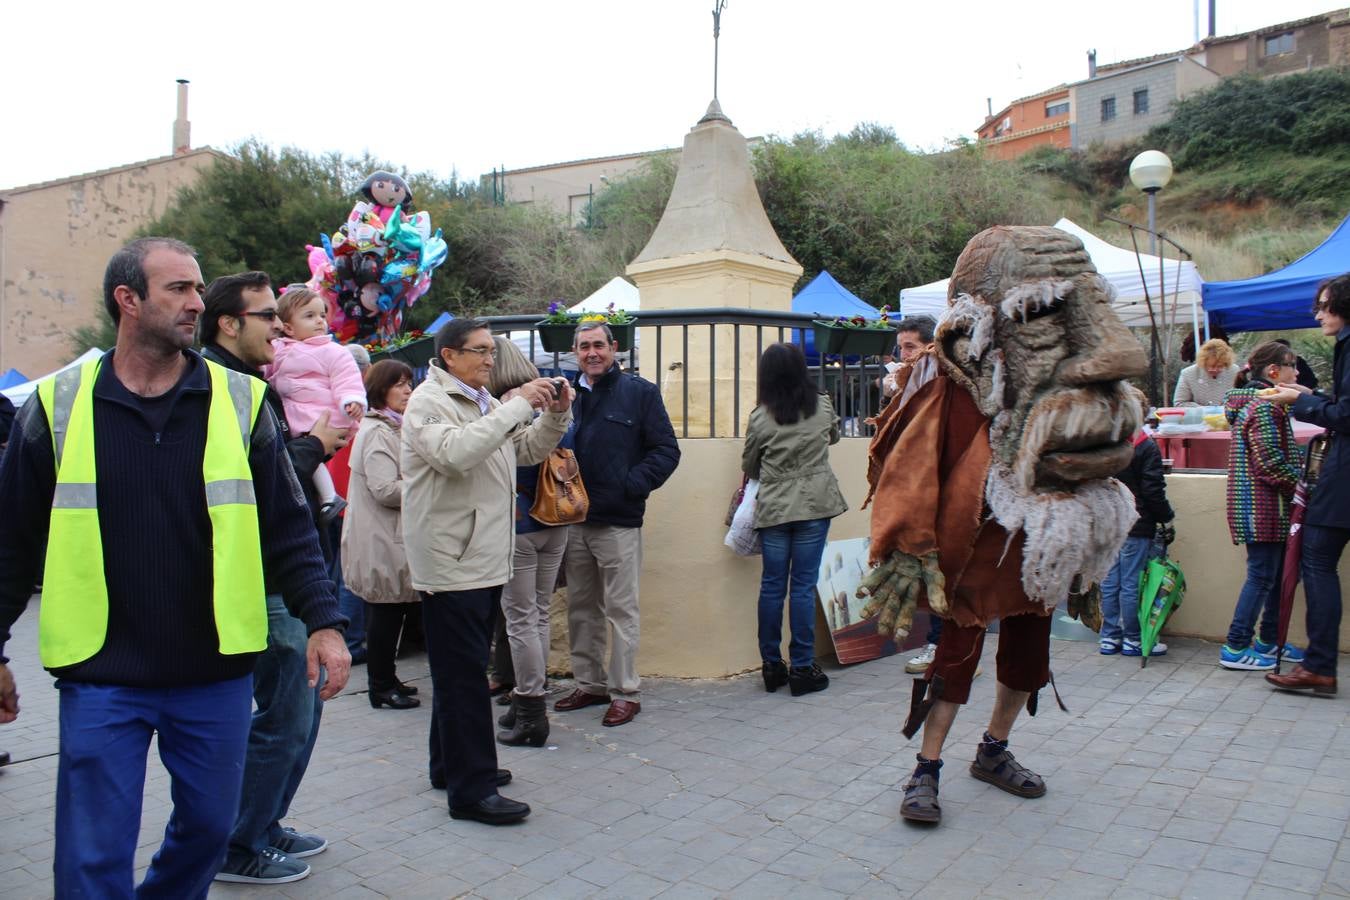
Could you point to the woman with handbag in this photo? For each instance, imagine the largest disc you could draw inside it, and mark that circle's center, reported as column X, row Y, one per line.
column 787, row 447
column 526, row 597
column 374, row 564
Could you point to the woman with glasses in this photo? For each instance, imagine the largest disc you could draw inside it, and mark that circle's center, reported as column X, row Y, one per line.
column 374, row 564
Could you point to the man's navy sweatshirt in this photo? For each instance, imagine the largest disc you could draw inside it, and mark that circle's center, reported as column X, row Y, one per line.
column 156, row 532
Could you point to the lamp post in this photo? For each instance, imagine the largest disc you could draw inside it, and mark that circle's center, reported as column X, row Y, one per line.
column 1150, row 171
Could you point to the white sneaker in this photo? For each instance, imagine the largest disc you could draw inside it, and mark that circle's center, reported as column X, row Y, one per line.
column 917, row 665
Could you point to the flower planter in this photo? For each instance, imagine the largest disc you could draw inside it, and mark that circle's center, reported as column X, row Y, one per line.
column 836, row 339
column 417, row 354
column 556, row 338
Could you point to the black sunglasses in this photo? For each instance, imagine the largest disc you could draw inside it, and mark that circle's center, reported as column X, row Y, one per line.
column 268, row 314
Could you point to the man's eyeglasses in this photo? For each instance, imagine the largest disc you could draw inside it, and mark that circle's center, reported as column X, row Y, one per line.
column 483, row 352
column 269, row 315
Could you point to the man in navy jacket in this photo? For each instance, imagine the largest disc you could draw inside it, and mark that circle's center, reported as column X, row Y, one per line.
column 1326, row 525
column 626, row 449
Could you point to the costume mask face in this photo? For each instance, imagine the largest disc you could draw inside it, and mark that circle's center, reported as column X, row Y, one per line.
column 1030, row 331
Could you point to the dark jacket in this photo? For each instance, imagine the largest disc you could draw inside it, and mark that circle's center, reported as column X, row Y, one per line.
column 1263, row 466
column 625, row 446
column 1144, row 477
column 6, row 418
column 306, row 453
column 156, row 532
column 1329, row 500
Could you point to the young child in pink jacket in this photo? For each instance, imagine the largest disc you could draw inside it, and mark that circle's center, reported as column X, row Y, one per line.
column 315, row 375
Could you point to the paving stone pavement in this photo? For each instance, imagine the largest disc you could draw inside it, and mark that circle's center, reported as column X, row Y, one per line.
column 1178, row 780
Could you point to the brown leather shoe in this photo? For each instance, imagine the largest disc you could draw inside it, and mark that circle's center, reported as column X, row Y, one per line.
column 1300, row 679
column 621, row 712
column 579, row 699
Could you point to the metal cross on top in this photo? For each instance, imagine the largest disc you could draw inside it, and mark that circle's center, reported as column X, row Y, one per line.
column 717, row 32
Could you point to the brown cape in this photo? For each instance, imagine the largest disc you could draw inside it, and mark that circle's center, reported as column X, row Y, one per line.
column 927, row 467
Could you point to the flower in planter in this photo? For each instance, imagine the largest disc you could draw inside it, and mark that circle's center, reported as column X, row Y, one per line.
column 879, row 324
column 558, row 314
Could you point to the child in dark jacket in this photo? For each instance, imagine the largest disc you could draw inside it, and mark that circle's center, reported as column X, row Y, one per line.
column 1120, row 588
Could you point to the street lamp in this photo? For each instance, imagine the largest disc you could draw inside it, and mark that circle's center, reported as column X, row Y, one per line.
column 1150, row 171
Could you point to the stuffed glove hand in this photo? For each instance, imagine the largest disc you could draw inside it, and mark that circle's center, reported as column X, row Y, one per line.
column 893, row 587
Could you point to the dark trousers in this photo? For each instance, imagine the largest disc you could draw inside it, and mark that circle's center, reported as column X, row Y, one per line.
column 100, row 777
column 1023, row 658
column 1260, row 595
column 1322, row 548
column 458, row 627
column 384, row 622
column 281, row 735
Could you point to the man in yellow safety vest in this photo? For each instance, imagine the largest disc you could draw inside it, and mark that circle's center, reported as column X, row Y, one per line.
column 159, row 486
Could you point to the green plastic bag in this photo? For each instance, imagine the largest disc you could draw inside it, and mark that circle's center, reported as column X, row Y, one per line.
column 1161, row 589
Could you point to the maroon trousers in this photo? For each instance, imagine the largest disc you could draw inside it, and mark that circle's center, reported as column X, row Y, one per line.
column 1023, row 656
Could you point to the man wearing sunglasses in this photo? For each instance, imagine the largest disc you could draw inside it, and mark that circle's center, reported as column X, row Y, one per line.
column 237, row 327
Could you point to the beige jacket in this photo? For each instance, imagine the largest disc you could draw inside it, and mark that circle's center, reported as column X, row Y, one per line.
column 374, row 564
column 459, row 482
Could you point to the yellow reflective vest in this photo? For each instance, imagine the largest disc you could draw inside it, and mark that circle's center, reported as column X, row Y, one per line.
column 73, row 622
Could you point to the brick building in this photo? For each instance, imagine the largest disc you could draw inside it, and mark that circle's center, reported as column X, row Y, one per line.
column 1042, row 119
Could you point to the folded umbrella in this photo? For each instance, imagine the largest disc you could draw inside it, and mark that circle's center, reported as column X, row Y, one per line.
column 1293, row 546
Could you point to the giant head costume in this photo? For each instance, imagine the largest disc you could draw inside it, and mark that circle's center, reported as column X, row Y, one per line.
column 991, row 471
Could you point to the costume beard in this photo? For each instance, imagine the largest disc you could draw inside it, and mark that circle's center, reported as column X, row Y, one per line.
column 1071, row 534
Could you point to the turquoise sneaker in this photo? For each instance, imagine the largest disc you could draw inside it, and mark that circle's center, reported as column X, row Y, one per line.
column 1245, row 660
column 1291, row 653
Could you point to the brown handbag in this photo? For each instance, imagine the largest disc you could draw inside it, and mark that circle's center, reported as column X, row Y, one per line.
column 560, row 497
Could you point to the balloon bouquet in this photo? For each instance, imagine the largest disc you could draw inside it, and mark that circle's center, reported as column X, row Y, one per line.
column 377, row 263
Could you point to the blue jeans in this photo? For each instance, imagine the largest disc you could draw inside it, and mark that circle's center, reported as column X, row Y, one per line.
column 792, row 554
column 1120, row 591
column 281, row 737
column 1322, row 548
column 105, row 735
column 350, row 605
column 1260, row 595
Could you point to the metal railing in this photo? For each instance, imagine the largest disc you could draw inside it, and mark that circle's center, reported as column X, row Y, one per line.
column 851, row 382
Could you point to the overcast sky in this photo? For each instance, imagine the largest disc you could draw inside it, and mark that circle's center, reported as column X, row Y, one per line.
column 468, row 86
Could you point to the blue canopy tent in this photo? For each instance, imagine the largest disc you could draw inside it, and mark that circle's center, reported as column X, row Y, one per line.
column 1281, row 299
column 826, row 298
column 11, row 378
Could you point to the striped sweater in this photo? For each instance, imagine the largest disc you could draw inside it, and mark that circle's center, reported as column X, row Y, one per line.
column 1263, row 466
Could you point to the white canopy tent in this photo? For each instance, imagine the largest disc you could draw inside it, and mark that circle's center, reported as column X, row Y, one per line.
column 1179, row 287
column 20, row 393
column 617, row 291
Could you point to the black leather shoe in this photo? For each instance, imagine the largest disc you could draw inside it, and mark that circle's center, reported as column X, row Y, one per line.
column 4, row 757
column 501, row 779
column 393, row 699
column 775, row 675
column 493, row 809
column 405, row 690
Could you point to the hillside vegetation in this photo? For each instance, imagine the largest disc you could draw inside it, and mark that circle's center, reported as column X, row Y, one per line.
column 1262, row 175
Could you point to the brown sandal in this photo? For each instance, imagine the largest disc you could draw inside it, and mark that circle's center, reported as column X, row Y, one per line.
column 920, row 803
column 1003, row 771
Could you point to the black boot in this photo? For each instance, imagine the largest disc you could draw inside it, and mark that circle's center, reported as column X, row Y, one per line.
column 807, row 679
column 508, row 718
column 531, row 725
column 775, row 675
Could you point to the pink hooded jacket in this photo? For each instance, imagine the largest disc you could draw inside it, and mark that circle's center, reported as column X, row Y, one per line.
column 315, row 376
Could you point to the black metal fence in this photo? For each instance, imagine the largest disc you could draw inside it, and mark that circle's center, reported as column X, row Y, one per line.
column 853, row 383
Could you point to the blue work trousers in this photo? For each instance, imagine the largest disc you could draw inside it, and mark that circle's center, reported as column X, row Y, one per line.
column 100, row 780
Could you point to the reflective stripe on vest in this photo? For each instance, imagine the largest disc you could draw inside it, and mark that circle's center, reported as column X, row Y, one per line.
column 73, row 621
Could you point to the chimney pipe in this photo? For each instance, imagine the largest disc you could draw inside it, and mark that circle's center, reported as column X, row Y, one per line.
column 1092, row 63
column 1213, row 16
column 989, row 102
column 182, row 128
